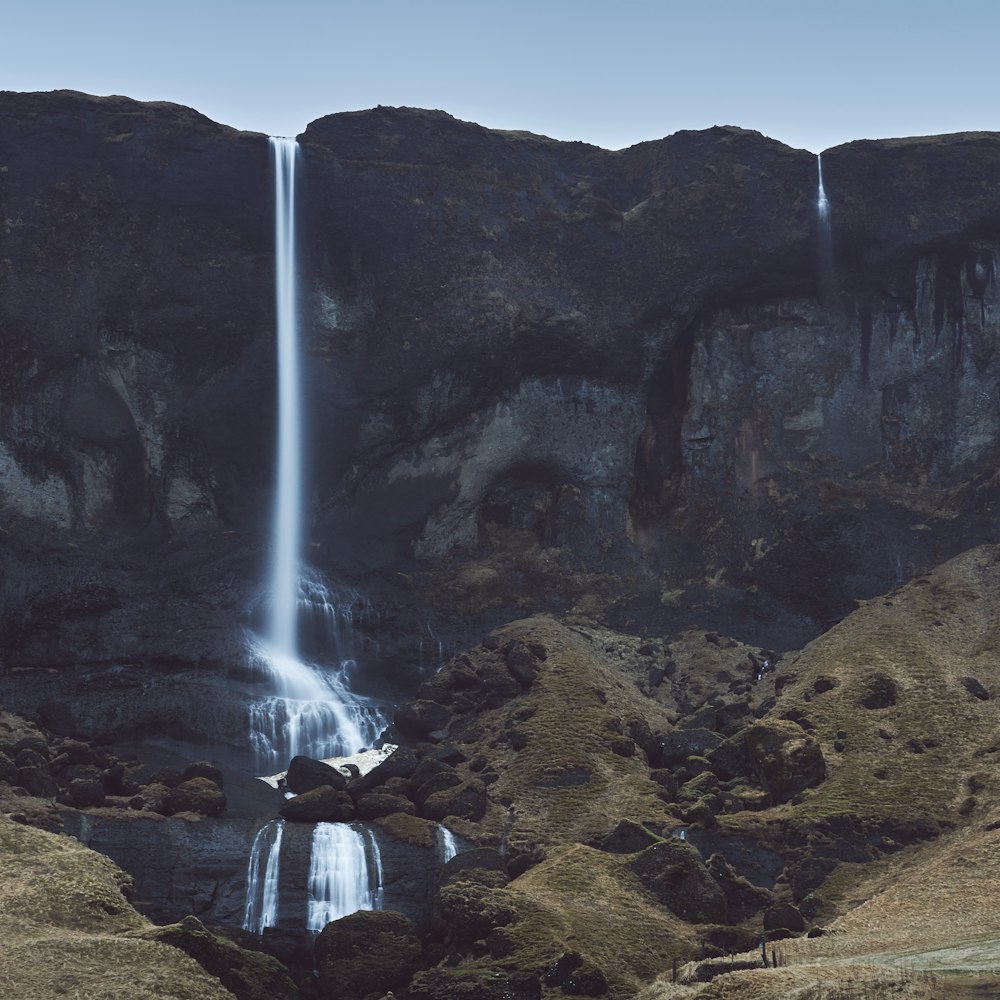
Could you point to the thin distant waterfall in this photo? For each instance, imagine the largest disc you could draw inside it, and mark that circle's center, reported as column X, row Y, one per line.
column 448, row 846
column 824, row 233
column 345, row 874
column 262, row 878
column 313, row 710
column 822, row 205
column 287, row 533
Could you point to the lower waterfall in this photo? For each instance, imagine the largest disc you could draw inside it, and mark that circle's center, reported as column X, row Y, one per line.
column 345, row 874
column 262, row 878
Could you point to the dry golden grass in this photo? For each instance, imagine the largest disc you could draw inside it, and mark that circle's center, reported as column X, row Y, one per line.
column 805, row 982
column 919, row 758
column 578, row 704
column 931, row 906
column 63, row 924
column 584, row 900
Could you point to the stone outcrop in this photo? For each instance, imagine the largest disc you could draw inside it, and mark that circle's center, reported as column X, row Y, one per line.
column 365, row 953
column 787, row 758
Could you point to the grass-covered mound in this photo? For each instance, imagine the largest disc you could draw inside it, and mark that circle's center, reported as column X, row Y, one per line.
column 68, row 930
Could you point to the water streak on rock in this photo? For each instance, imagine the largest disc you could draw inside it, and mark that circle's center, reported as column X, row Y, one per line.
column 263, row 872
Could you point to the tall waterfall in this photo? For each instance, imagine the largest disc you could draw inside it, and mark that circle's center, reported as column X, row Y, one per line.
column 262, row 878
column 312, row 710
column 824, row 232
column 822, row 205
column 345, row 874
column 287, row 531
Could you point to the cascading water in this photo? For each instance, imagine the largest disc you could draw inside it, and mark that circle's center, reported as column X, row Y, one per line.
column 825, row 231
column 822, row 205
column 262, row 878
column 448, row 846
column 341, row 870
column 313, row 711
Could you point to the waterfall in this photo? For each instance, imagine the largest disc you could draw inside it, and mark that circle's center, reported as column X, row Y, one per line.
column 262, row 878
column 287, row 530
column 822, row 205
column 448, row 846
column 825, row 232
column 312, row 710
column 340, row 876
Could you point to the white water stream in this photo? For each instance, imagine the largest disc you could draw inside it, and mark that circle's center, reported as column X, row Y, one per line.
column 448, row 846
column 262, row 878
column 345, row 874
column 822, row 204
column 312, row 710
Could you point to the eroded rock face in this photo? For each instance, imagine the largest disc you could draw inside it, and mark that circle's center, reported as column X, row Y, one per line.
column 541, row 373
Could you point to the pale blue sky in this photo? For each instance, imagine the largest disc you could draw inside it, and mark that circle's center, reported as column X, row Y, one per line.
column 612, row 73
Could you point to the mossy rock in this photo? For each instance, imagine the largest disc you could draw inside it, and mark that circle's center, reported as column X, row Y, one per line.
column 474, row 984
column 467, row 801
column 249, row 975
column 365, row 953
column 466, row 910
column 197, row 795
column 787, row 759
column 675, row 874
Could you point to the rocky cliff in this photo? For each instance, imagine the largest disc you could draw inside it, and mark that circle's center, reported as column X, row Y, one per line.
column 651, row 391
column 541, row 374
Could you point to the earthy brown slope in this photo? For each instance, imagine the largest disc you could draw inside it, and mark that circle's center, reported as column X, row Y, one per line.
column 68, row 930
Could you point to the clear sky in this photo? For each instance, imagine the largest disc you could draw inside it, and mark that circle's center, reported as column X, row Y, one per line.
column 610, row 72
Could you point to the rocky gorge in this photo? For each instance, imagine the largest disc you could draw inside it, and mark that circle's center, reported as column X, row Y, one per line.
column 660, row 503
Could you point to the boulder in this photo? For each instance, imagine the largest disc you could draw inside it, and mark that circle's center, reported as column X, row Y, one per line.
column 401, row 763
column 86, row 792
column 975, row 688
column 373, row 805
column 197, row 795
column 586, row 981
column 248, row 975
column 730, row 759
column 154, row 797
column 466, row 910
column 305, row 774
column 783, row 920
column 466, row 801
column 321, row 805
column 37, row 780
column 473, row 864
column 787, row 759
column 521, row 663
column 674, row 873
column 679, row 744
column 369, row 952
column 419, row 719
column 203, row 769
column 75, row 752
column 436, row 783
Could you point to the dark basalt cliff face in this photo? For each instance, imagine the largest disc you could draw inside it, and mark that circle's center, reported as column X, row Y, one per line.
column 541, row 376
